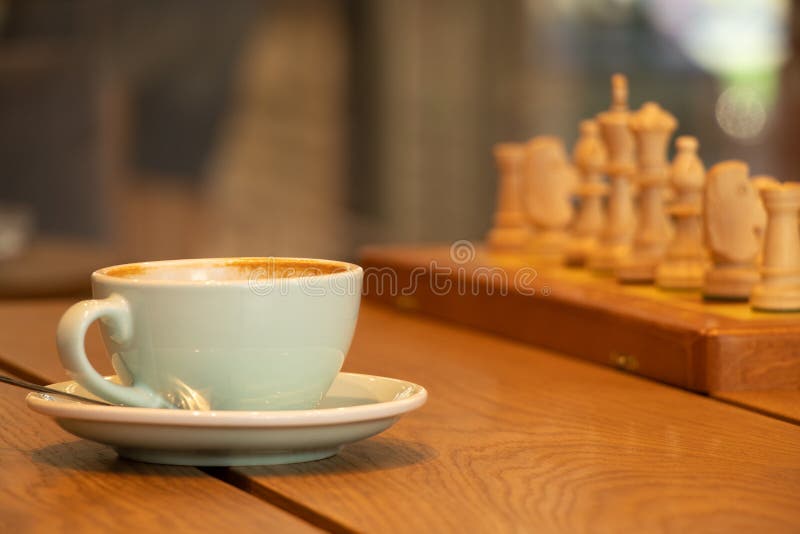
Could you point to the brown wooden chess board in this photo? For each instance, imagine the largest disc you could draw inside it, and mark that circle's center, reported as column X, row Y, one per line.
column 674, row 337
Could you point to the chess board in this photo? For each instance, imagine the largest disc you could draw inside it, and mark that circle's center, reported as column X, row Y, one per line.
column 674, row 337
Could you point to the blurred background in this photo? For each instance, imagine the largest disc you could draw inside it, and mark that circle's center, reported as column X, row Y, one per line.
column 153, row 129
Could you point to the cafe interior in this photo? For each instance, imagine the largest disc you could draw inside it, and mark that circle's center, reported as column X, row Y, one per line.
column 400, row 265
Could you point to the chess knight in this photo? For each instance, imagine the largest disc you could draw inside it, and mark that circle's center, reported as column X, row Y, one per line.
column 550, row 183
column 734, row 230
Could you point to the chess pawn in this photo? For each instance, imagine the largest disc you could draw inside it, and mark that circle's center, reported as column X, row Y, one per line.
column 550, row 182
column 779, row 288
column 734, row 227
column 652, row 127
column 686, row 259
column 589, row 156
column 510, row 232
column 616, row 237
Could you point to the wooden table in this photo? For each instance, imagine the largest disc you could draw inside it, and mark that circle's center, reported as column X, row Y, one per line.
column 513, row 439
column 54, row 266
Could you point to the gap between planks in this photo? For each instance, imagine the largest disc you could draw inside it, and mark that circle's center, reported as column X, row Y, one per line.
column 270, row 496
column 757, row 409
column 223, row 474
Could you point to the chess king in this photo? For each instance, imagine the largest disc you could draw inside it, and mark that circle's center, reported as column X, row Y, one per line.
column 616, row 237
column 652, row 127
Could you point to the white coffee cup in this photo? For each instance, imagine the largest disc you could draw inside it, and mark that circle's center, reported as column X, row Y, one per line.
column 223, row 333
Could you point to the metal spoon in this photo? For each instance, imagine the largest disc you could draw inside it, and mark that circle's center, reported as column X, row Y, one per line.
column 50, row 391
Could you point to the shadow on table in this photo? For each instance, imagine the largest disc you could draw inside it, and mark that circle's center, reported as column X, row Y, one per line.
column 85, row 456
column 375, row 454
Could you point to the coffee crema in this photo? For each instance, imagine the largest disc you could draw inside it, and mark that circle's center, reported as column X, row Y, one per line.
column 227, row 269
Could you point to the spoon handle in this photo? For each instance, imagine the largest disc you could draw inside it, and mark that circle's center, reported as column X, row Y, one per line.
column 50, row 391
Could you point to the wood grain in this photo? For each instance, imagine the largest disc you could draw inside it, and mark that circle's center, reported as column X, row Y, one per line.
column 674, row 337
column 54, row 482
column 28, row 340
column 54, row 267
column 519, row 439
column 515, row 438
column 781, row 404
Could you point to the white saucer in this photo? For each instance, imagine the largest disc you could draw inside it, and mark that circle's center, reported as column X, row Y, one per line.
column 356, row 407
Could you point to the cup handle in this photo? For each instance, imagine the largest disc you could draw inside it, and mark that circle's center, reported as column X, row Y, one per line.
column 70, row 338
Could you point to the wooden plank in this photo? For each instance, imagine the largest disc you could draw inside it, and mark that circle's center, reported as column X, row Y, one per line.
column 674, row 337
column 28, row 340
column 54, row 482
column 27, row 348
column 515, row 438
column 519, row 438
column 781, row 404
column 53, row 266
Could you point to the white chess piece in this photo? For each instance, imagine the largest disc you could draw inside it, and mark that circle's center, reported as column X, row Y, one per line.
column 589, row 156
column 652, row 127
column 510, row 231
column 779, row 288
column 686, row 259
column 550, row 182
column 615, row 240
column 763, row 181
column 734, row 228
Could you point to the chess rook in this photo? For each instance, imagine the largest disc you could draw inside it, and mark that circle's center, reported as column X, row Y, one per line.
column 686, row 259
column 616, row 237
column 510, row 231
column 589, row 156
column 734, row 228
column 653, row 128
column 763, row 181
column 779, row 288
column 550, row 183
